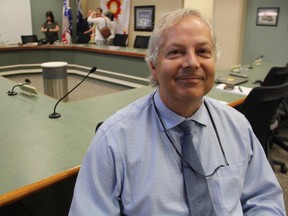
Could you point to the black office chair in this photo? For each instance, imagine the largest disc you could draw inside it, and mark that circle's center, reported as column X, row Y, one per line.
column 29, row 38
column 120, row 40
column 83, row 38
column 259, row 108
column 141, row 42
column 278, row 76
column 98, row 125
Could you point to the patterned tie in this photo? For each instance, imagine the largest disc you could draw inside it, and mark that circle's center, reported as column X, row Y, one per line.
column 196, row 187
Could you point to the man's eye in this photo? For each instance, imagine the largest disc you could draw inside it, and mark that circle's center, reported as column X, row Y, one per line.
column 175, row 53
column 205, row 52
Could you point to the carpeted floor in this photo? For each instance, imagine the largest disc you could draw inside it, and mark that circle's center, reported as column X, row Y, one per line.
column 89, row 88
column 94, row 88
column 282, row 155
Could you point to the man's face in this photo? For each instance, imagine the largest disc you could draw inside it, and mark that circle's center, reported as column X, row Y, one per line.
column 186, row 62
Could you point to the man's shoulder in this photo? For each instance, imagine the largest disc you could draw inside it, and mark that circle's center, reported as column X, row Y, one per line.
column 129, row 114
column 222, row 109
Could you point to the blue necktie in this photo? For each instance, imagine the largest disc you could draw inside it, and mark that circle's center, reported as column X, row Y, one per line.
column 196, row 187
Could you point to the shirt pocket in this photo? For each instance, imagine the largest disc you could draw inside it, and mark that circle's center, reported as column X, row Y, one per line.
column 230, row 181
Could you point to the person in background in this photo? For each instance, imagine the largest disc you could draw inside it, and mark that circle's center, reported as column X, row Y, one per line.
column 50, row 28
column 177, row 151
column 110, row 15
column 100, row 22
column 85, row 30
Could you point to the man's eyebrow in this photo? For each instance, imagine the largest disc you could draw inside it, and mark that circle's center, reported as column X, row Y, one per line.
column 204, row 42
column 174, row 45
column 201, row 43
column 180, row 45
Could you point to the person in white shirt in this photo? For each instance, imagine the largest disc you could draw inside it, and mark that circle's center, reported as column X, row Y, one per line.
column 100, row 22
column 110, row 15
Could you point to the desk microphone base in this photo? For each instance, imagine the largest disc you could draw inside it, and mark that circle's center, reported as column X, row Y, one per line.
column 11, row 93
column 54, row 115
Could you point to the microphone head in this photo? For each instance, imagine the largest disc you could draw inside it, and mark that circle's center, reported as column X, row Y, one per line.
column 27, row 81
column 93, row 69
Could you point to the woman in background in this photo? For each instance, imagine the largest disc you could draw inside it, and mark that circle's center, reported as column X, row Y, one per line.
column 112, row 26
column 100, row 22
column 50, row 28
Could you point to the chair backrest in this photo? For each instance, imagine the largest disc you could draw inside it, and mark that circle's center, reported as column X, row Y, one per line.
column 83, row 38
column 98, row 125
column 276, row 76
column 28, row 38
column 120, row 40
column 141, row 42
column 260, row 106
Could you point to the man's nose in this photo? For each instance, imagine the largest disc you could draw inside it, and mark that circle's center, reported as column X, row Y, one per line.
column 191, row 60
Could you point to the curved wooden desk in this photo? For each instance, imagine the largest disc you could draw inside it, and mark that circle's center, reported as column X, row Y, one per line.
column 112, row 50
column 118, row 63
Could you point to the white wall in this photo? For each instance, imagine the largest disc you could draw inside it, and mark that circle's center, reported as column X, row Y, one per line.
column 228, row 19
column 229, row 22
column 15, row 16
column 204, row 6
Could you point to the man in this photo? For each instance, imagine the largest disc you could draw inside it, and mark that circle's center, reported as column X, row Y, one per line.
column 100, row 22
column 137, row 163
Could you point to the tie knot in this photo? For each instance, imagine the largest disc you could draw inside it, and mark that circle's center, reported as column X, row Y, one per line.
column 186, row 127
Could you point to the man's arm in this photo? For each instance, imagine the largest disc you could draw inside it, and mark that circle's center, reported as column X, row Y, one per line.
column 96, row 189
column 262, row 194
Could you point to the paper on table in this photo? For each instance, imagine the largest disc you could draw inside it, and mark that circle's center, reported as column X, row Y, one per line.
column 236, row 90
column 113, row 47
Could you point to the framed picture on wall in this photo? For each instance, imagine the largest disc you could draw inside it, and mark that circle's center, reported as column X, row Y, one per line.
column 267, row 16
column 144, row 17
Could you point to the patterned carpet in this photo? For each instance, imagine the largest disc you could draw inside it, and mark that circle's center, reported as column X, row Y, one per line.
column 282, row 155
column 89, row 88
column 93, row 88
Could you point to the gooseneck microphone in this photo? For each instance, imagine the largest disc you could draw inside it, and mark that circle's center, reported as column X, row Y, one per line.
column 255, row 61
column 12, row 93
column 58, row 115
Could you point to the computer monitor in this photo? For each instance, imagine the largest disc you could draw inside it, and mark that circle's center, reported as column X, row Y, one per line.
column 120, row 40
column 141, row 41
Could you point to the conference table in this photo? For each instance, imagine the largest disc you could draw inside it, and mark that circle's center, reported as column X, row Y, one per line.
column 37, row 152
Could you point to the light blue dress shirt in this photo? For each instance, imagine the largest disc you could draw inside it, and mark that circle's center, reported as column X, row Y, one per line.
column 132, row 159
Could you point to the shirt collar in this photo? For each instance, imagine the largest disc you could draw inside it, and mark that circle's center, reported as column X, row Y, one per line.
column 172, row 119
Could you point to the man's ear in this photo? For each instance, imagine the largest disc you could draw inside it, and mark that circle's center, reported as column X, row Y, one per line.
column 153, row 70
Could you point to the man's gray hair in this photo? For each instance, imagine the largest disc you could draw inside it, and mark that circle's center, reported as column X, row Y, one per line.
column 165, row 22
